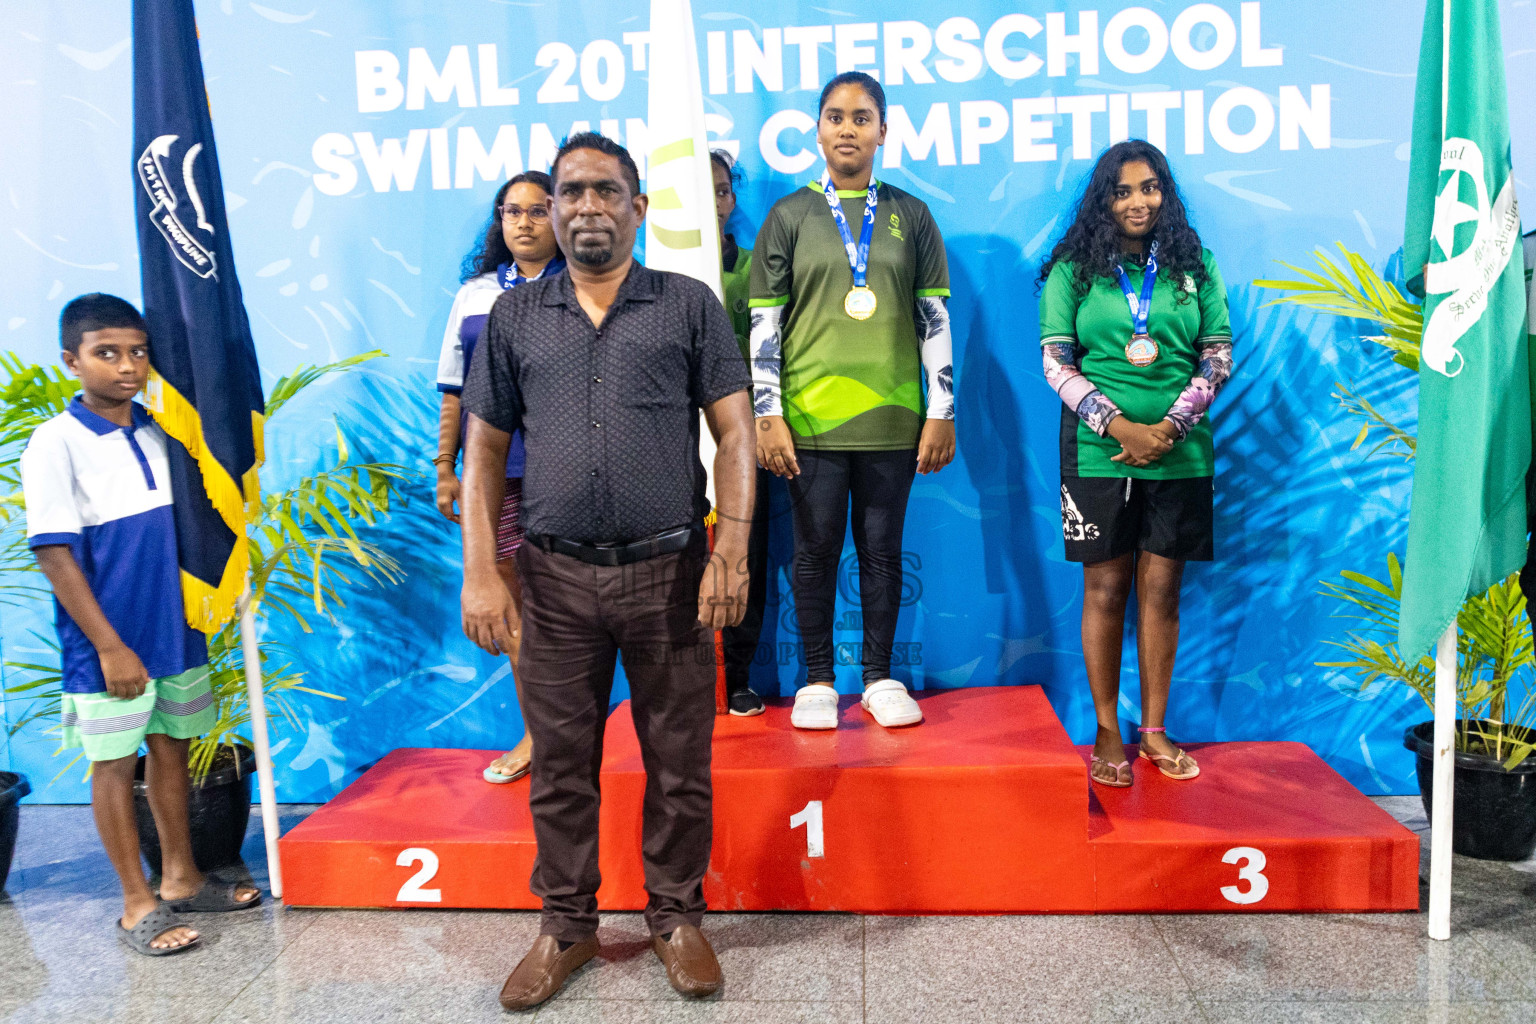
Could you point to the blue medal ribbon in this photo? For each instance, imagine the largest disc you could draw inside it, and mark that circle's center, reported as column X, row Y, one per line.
column 858, row 255
column 1141, row 306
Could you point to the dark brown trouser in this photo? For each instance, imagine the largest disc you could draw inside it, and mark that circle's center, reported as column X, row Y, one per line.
column 576, row 619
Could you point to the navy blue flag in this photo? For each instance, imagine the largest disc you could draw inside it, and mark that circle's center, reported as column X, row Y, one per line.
column 205, row 388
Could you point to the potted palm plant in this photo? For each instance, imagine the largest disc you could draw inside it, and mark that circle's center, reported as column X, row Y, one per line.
column 12, row 788
column 305, row 553
column 1495, row 777
column 24, row 387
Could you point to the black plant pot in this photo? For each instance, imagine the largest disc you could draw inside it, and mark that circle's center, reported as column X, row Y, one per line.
column 1495, row 807
column 12, row 788
column 219, row 809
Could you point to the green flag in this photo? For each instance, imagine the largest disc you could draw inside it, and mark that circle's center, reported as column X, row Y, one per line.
column 1466, row 529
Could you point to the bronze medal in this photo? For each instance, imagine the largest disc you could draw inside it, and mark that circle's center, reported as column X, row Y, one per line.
column 1141, row 350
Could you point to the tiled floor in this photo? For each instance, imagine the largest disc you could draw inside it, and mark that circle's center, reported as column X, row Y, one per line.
column 59, row 962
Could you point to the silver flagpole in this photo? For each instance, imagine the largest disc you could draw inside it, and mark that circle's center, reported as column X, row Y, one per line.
column 257, row 701
column 1443, row 795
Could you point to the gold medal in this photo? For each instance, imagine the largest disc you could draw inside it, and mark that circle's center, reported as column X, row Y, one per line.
column 860, row 302
column 1142, row 350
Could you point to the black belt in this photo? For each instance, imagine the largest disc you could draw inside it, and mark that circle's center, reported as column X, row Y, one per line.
column 664, row 543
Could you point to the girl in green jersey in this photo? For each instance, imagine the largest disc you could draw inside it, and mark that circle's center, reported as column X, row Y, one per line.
column 1136, row 342
column 848, row 288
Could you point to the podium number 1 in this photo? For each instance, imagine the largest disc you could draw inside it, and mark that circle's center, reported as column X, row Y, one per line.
column 810, row 817
column 1251, row 872
column 412, row 891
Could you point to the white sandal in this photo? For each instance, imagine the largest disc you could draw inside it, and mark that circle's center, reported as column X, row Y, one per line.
column 815, row 707
column 891, row 705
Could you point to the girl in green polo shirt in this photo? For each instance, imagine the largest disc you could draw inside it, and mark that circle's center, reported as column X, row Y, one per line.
column 1136, row 342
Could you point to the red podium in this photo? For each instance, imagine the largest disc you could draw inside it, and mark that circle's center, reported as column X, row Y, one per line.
column 986, row 807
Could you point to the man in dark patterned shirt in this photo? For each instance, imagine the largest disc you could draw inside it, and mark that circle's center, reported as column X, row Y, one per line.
column 605, row 369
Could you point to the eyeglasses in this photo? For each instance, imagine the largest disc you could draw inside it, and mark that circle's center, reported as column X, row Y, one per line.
column 511, row 212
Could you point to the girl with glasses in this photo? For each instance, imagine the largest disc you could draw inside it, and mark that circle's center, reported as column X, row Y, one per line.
column 518, row 245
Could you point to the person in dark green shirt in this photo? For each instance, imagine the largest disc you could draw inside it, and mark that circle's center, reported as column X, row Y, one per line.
column 735, row 262
column 1136, row 341
column 740, row 641
column 848, row 287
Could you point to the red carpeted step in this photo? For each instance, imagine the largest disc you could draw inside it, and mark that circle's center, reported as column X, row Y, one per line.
column 1265, row 826
column 419, row 829
column 979, row 808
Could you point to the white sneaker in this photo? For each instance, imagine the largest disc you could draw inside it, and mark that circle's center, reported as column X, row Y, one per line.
column 891, row 705
column 815, row 707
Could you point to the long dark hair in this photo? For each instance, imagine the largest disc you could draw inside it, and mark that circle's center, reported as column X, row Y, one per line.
column 491, row 251
column 1092, row 243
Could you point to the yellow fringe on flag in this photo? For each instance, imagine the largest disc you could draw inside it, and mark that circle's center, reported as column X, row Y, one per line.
column 208, row 608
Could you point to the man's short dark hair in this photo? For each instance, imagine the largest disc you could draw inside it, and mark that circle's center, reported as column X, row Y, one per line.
column 603, row 144
column 95, row 312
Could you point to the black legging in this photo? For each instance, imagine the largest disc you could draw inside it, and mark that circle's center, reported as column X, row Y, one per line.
column 878, row 483
column 740, row 641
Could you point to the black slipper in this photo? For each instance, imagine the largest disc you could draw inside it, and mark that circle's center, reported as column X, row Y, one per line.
column 154, row 924
column 215, row 897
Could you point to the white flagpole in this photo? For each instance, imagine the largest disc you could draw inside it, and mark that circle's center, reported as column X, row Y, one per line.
column 1443, row 800
column 1443, row 794
column 257, row 701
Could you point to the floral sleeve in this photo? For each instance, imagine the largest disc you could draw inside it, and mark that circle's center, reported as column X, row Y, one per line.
column 1195, row 400
column 1075, row 390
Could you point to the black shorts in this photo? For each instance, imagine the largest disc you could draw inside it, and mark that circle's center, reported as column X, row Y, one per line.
column 1104, row 517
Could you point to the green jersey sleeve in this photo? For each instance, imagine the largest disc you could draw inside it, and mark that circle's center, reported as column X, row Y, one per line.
column 772, row 263
column 1058, row 306
column 932, row 261
column 734, row 283
column 1215, row 323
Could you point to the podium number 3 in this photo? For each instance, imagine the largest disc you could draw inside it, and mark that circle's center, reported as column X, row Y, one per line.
column 412, row 891
column 1251, row 872
column 810, row 817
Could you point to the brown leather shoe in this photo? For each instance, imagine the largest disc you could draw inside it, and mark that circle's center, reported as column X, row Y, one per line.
column 543, row 971
column 691, row 965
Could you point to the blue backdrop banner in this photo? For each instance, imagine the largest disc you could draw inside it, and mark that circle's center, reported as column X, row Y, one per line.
column 361, row 142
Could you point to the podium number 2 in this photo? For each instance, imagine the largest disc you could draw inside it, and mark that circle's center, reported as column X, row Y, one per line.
column 412, row 891
column 1251, row 872
column 810, row 817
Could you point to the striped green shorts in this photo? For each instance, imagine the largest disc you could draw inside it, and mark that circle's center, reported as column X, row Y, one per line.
column 108, row 727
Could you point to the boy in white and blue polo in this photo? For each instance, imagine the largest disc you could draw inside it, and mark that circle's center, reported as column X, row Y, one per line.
column 102, row 492
column 97, row 486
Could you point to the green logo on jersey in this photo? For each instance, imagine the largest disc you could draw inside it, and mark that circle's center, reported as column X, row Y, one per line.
column 896, row 228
